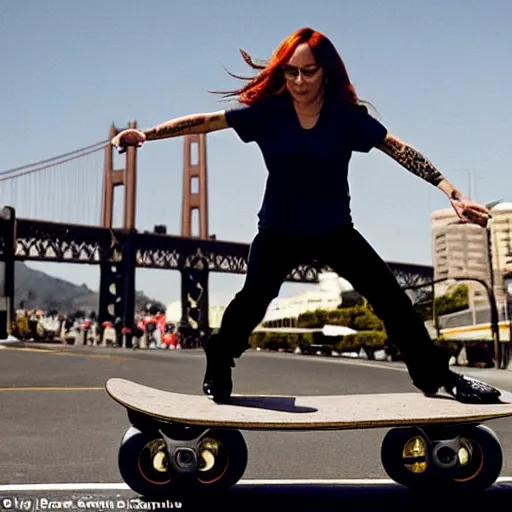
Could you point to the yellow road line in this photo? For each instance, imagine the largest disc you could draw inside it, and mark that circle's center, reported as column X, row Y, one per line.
column 91, row 356
column 28, row 349
column 60, row 352
column 53, row 388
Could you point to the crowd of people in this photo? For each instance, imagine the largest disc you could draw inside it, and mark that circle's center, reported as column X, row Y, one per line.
column 150, row 329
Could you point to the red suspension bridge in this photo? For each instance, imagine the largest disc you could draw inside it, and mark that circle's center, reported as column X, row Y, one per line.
column 64, row 209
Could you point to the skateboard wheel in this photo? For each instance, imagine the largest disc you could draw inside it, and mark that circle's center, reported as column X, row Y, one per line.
column 143, row 463
column 410, row 459
column 480, row 459
column 404, row 453
column 222, row 456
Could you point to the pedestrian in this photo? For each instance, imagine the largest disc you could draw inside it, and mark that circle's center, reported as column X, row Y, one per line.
column 304, row 114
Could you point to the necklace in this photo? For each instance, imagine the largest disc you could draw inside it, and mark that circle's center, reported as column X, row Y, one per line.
column 308, row 115
column 305, row 114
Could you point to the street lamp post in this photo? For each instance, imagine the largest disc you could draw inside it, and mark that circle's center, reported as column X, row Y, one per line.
column 507, row 278
column 468, row 174
column 494, row 309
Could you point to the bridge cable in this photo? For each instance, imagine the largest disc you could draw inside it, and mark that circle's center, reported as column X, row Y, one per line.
column 56, row 160
column 52, row 162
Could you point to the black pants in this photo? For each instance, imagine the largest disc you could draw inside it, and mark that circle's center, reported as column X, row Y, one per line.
column 273, row 256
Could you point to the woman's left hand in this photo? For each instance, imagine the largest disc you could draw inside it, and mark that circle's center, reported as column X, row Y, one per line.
column 469, row 211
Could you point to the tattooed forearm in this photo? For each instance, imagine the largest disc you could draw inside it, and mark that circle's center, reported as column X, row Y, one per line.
column 196, row 123
column 411, row 159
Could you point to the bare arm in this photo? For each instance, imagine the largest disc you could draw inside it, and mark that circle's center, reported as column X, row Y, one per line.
column 186, row 125
column 415, row 162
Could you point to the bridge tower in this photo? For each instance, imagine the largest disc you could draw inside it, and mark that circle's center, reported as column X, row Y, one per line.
column 195, row 188
column 194, row 224
column 117, row 276
column 7, row 269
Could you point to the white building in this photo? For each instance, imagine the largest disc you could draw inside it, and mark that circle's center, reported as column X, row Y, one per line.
column 325, row 295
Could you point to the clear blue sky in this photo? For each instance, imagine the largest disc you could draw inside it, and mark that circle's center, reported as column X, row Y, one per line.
column 438, row 71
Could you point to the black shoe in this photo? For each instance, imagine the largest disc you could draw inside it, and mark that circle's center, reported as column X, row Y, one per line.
column 472, row 391
column 217, row 383
column 466, row 390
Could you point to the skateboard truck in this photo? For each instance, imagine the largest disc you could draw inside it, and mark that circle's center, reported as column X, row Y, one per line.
column 442, row 452
column 182, row 454
column 445, row 454
column 181, row 443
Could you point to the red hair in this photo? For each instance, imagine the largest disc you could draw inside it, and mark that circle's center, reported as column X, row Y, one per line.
column 270, row 79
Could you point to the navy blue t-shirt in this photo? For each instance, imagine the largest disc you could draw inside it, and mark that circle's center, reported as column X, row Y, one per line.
column 307, row 192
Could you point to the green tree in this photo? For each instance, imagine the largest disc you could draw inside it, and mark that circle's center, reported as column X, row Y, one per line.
column 456, row 300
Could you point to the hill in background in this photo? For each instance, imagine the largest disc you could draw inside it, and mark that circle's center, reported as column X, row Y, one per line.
column 35, row 289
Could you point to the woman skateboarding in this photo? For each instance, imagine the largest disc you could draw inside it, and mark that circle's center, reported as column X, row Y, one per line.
column 304, row 114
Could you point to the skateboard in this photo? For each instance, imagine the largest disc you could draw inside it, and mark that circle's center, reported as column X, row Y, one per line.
column 188, row 443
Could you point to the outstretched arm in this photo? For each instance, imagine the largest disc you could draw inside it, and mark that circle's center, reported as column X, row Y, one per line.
column 412, row 160
column 186, row 125
column 415, row 162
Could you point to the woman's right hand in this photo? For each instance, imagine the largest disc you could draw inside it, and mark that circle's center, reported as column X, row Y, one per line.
column 129, row 137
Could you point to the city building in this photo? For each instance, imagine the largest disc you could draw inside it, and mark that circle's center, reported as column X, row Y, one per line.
column 459, row 251
column 467, row 250
column 501, row 242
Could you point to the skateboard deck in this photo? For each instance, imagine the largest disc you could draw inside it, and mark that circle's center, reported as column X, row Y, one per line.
column 336, row 412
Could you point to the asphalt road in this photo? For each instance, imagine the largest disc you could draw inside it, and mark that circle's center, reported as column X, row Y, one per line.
column 70, row 431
